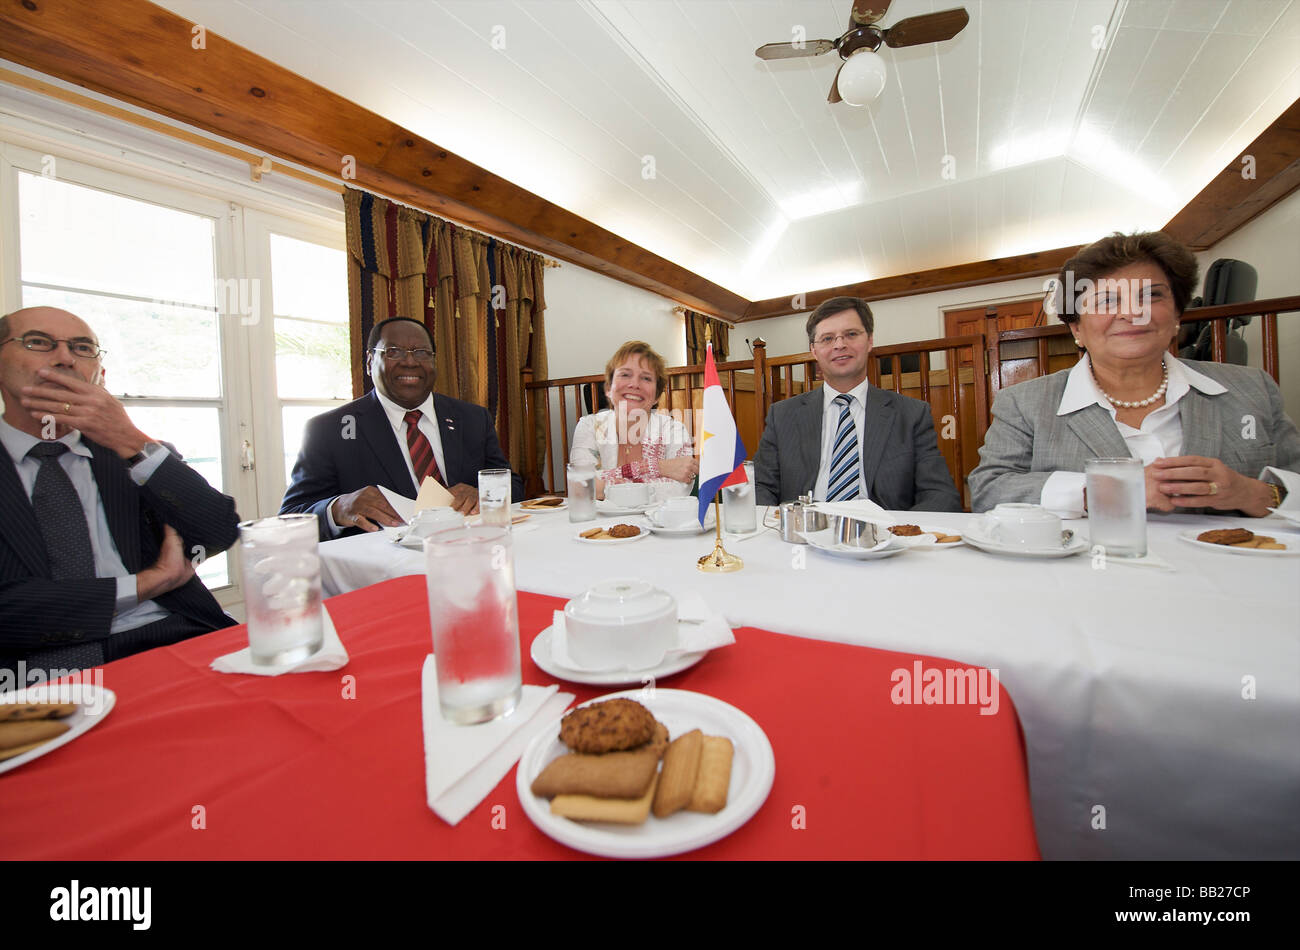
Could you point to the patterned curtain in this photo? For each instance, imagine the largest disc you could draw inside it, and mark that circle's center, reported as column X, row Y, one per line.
column 481, row 299
column 695, row 337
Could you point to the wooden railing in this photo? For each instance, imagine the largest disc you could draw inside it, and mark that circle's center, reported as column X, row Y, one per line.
column 961, row 411
column 1016, row 355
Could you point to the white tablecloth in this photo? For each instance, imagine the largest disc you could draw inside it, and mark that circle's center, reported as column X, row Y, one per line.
column 1161, row 709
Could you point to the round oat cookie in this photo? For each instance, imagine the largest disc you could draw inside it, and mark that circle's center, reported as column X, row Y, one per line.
column 611, row 726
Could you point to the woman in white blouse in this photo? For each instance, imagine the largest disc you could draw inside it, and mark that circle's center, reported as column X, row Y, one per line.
column 631, row 442
column 1212, row 436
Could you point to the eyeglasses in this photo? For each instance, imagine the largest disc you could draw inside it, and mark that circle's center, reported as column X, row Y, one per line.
column 829, row 339
column 40, row 343
column 421, row 353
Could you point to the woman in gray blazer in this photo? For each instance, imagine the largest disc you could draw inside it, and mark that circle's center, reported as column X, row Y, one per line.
column 1211, row 435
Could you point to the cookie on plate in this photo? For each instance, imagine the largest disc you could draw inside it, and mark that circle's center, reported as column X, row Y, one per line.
column 611, row 726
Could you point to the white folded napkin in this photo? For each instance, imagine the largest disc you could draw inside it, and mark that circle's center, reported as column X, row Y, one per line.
column 331, row 656
column 698, row 628
column 404, row 506
column 463, row 763
column 1150, row 559
column 859, row 508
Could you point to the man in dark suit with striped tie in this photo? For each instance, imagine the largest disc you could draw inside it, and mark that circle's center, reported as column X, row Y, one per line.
column 849, row 439
column 102, row 525
column 394, row 436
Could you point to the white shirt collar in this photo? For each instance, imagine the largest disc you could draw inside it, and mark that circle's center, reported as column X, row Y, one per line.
column 18, row 443
column 397, row 415
column 1081, row 390
column 858, row 392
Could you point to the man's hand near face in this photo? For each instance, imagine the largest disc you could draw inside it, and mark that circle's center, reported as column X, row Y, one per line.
column 90, row 408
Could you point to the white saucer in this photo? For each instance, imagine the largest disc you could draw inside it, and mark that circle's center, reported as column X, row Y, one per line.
column 753, row 767
column 609, row 508
column 1292, row 548
column 645, row 532
column 976, row 538
column 887, row 548
column 541, row 654
column 1290, row 515
column 710, row 522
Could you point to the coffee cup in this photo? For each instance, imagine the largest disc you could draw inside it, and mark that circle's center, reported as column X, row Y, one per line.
column 676, row 513
column 1024, row 526
column 628, row 494
column 620, row 624
column 663, row 490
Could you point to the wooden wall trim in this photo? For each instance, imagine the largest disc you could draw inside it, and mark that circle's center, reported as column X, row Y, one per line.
column 140, row 53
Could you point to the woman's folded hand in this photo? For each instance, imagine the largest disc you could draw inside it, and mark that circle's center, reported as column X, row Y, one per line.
column 682, row 469
column 1192, row 481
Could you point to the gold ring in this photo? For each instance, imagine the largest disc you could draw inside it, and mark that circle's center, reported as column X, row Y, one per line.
column 1214, row 488
column 67, row 408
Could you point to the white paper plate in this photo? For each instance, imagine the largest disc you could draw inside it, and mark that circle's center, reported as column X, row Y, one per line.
column 753, row 768
column 927, row 540
column 645, row 532
column 976, row 538
column 710, row 524
column 1292, row 548
column 541, row 654
column 93, row 704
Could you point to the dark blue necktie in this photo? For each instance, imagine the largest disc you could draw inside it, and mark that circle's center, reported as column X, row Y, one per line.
column 842, row 485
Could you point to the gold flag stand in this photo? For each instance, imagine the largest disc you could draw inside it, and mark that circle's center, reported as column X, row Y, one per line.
column 718, row 562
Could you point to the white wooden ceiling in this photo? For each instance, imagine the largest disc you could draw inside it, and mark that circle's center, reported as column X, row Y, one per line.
column 1044, row 123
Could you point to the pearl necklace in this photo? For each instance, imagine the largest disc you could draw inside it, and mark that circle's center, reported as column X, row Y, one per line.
column 1142, row 403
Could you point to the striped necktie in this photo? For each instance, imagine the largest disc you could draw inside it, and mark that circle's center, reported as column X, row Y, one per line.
column 843, row 482
column 422, row 460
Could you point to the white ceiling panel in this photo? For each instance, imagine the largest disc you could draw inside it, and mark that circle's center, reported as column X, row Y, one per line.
column 1024, row 132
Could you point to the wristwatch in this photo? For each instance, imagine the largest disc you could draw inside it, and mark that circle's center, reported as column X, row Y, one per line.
column 149, row 449
column 1279, row 492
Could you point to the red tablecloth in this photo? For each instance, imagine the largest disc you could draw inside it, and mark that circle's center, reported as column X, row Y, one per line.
column 288, row 767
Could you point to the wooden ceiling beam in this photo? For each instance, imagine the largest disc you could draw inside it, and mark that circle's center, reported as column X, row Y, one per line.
column 1036, row 264
column 143, row 54
column 1266, row 171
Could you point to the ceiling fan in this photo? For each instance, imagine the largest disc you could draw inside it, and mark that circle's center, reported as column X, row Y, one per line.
column 861, row 76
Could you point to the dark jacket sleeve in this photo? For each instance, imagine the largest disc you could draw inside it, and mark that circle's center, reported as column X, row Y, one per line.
column 314, row 482
column 767, row 463
column 203, row 516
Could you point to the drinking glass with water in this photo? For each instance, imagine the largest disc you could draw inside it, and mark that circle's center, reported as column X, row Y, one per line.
column 1117, row 506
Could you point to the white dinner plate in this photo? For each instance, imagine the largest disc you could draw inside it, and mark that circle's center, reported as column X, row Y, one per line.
column 1292, row 548
column 1291, row 515
column 927, row 540
column 821, row 541
column 522, row 506
column 752, row 769
column 93, row 704
column 644, row 532
column 541, row 654
column 976, row 538
column 609, row 508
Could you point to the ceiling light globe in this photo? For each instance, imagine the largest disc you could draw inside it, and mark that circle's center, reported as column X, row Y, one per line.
column 863, row 78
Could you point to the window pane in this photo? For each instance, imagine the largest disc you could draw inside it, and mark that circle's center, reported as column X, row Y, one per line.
column 154, row 350
column 293, row 421
column 308, row 280
column 311, row 360
column 195, row 431
column 79, row 237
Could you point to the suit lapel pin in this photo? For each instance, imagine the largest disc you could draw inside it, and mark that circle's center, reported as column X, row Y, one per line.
column 451, row 426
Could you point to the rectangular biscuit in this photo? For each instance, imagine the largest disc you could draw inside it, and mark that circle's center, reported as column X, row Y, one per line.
column 19, row 750
column 623, row 811
column 681, row 767
column 612, row 775
column 714, row 778
column 27, row 731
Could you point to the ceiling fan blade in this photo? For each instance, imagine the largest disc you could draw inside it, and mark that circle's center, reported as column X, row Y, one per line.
column 791, row 51
column 835, row 86
column 927, row 28
column 867, row 12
